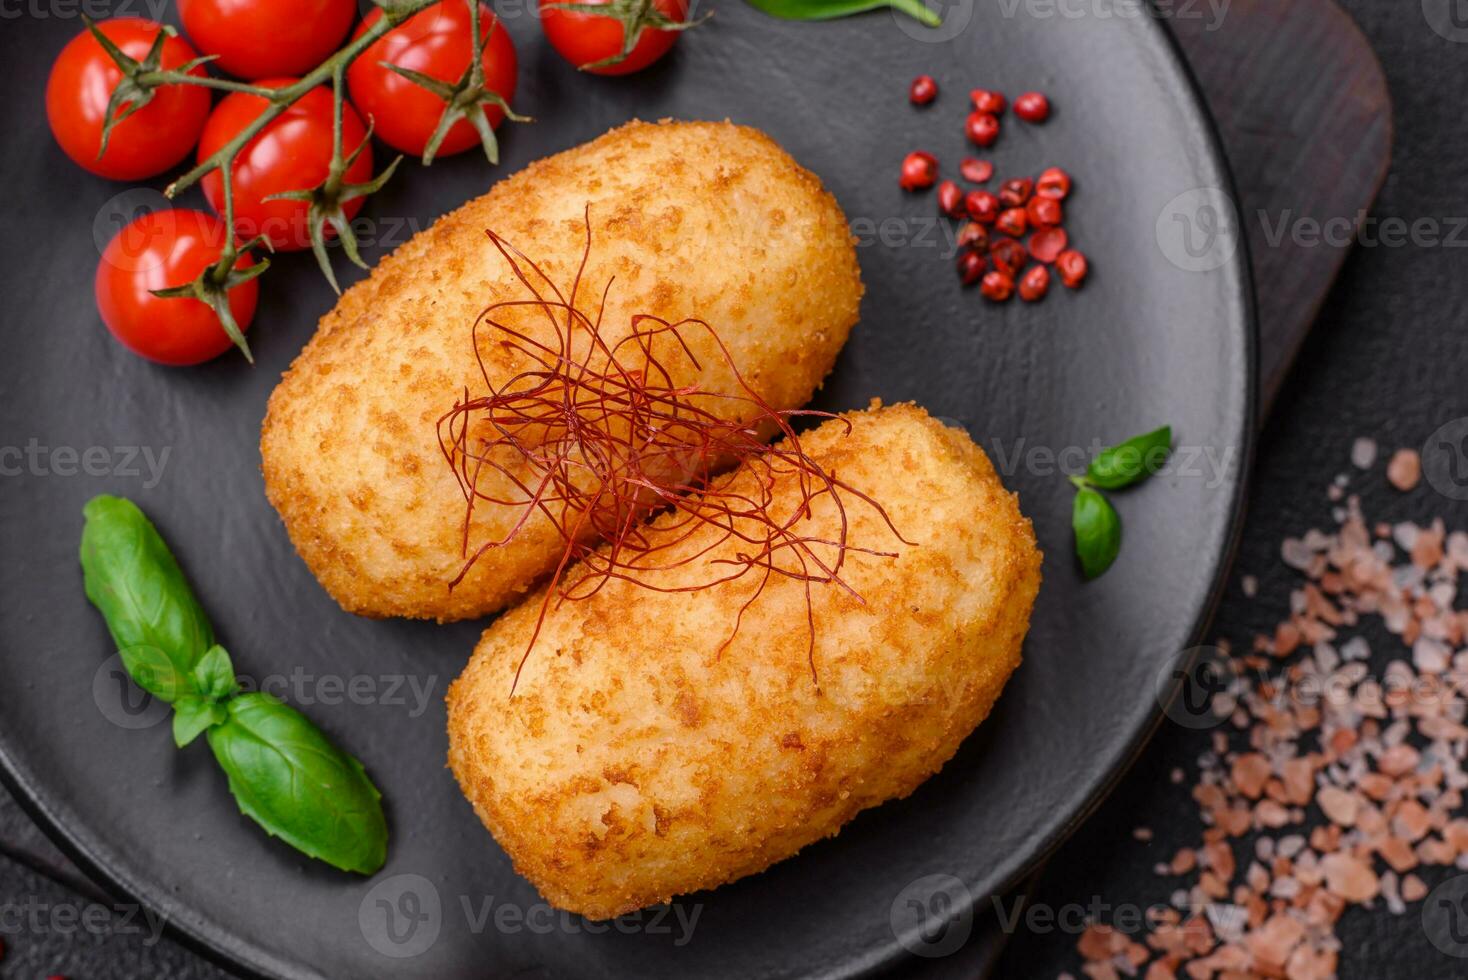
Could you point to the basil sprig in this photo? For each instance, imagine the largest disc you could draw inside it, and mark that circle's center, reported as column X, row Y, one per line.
column 1098, row 531
column 1094, row 521
column 1130, row 462
column 831, row 9
column 284, row 772
column 288, row 777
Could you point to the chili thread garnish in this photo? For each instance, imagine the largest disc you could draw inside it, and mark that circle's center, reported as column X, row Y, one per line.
column 596, row 434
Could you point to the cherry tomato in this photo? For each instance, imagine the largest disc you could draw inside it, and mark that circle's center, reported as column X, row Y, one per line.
column 585, row 39
column 293, row 152
column 439, row 43
column 148, row 142
column 264, row 38
column 157, row 251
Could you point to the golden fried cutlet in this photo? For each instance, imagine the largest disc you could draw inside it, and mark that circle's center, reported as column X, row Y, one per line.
column 705, row 220
column 636, row 761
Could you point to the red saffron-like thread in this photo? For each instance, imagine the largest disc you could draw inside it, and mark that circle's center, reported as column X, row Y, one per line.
column 610, row 439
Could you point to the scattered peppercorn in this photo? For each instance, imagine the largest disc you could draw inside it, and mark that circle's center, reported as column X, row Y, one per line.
column 971, row 267
column 1014, row 193
column 950, row 199
column 1035, row 284
column 1008, row 255
column 975, row 171
column 1012, row 222
column 1032, row 107
column 982, row 206
column 982, row 128
column 973, row 235
column 1072, row 266
column 1047, row 244
column 992, row 248
column 1044, row 212
column 997, row 286
column 986, row 100
column 919, row 171
column 1054, row 183
column 923, row 90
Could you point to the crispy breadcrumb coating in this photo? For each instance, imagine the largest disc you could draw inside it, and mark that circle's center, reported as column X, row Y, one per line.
column 635, row 762
column 707, row 220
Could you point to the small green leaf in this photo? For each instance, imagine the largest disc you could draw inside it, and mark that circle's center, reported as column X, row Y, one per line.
column 134, row 581
column 1131, row 461
column 214, row 674
column 155, row 672
column 193, row 715
column 291, row 780
column 1097, row 532
column 831, row 9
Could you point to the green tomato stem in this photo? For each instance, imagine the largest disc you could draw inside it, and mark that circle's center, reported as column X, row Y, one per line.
column 283, row 98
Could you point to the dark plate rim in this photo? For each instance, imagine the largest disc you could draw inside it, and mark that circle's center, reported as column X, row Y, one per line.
column 883, row 960
column 218, row 944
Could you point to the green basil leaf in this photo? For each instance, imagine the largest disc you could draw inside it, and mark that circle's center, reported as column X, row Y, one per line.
column 291, row 780
column 1131, row 461
column 214, row 674
column 193, row 715
column 831, row 9
column 1097, row 532
column 134, row 581
column 155, row 672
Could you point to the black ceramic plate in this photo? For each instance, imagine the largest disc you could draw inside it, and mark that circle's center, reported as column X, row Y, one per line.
column 1160, row 334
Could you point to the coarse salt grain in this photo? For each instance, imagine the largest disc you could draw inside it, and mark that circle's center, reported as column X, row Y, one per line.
column 1363, row 453
column 1405, row 469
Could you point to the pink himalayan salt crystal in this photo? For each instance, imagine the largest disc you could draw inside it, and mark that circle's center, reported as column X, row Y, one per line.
column 1249, row 773
column 1349, row 877
column 1363, row 453
column 1405, row 469
column 1339, row 806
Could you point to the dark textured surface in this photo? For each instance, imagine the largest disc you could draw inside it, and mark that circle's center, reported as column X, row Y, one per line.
column 1146, row 341
column 1388, row 361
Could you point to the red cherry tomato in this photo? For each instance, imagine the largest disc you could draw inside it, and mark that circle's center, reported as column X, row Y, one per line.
column 293, row 152
column 263, row 38
column 148, row 142
column 439, row 43
column 585, row 39
column 157, row 251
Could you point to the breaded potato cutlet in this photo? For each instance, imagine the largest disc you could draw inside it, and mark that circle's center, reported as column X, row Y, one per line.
column 692, row 219
column 637, row 761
